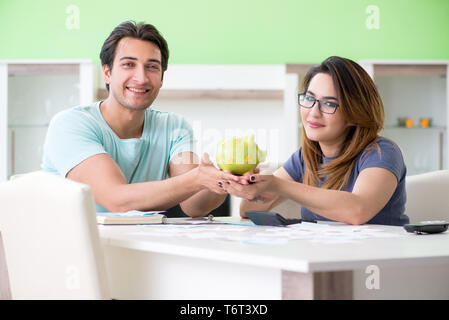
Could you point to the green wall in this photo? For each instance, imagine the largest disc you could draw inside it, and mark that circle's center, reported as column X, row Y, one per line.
column 232, row 31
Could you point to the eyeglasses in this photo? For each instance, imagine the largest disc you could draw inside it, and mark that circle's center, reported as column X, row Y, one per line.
column 308, row 102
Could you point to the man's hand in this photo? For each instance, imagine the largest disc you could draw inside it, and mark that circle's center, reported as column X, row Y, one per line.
column 211, row 178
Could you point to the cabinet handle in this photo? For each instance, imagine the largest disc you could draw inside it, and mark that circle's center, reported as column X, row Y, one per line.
column 441, row 146
column 13, row 152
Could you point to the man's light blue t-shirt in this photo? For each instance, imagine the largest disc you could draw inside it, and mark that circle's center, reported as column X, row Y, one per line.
column 81, row 132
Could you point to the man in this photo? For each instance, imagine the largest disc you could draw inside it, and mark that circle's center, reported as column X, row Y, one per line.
column 133, row 157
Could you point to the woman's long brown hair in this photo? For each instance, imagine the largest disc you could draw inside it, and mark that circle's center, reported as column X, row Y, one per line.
column 361, row 106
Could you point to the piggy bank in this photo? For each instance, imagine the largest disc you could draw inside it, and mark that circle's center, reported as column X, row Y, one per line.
column 239, row 155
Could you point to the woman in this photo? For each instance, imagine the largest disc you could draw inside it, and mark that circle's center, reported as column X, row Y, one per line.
column 344, row 170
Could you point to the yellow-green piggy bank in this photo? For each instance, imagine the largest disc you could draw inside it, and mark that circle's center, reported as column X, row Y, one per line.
column 239, row 155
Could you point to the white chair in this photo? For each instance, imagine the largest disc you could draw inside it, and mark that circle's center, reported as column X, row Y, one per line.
column 428, row 196
column 51, row 240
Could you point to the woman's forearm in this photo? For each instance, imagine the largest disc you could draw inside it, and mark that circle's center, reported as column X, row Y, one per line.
column 332, row 204
column 246, row 205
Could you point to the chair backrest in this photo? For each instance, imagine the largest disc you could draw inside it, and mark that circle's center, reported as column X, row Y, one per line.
column 428, row 196
column 51, row 239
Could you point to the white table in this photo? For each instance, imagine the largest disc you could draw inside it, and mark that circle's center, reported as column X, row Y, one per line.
column 142, row 265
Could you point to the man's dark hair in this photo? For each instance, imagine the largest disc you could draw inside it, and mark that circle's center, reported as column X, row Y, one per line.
column 141, row 31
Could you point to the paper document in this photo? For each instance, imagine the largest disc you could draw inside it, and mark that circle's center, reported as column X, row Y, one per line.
column 321, row 233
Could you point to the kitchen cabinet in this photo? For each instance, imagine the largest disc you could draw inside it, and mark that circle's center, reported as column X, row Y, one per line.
column 31, row 93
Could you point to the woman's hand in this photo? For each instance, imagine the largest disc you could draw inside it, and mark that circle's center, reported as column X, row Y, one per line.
column 248, row 177
column 258, row 187
column 265, row 197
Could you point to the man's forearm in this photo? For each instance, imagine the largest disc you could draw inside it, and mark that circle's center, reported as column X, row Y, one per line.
column 202, row 203
column 153, row 195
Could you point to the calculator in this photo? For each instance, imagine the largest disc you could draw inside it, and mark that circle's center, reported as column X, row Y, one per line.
column 266, row 218
column 427, row 227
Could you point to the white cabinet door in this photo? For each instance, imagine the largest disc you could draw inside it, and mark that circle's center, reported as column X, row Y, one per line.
column 32, row 92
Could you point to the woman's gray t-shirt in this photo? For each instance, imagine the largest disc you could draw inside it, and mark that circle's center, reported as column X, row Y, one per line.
column 389, row 157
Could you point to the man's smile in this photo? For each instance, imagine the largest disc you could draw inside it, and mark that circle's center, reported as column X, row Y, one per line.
column 139, row 91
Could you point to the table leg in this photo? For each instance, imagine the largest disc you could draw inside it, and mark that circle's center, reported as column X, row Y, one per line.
column 336, row 285
column 5, row 292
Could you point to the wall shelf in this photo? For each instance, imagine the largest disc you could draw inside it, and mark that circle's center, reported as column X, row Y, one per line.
column 438, row 128
column 410, row 70
column 217, row 94
column 28, row 125
column 300, row 69
column 15, row 70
